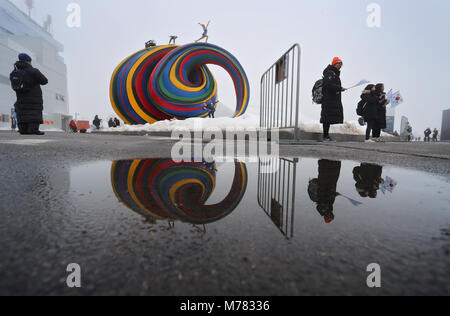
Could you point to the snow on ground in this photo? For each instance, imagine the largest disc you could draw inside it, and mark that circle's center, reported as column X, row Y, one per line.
column 47, row 128
column 25, row 142
column 348, row 128
column 244, row 123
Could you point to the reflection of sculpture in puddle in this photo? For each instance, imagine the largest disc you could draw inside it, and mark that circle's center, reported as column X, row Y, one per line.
column 161, row 189
column 323, row 190
column 368, row 180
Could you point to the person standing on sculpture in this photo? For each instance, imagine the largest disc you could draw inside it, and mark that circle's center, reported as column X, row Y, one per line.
column 173, row 39
column 205, row 32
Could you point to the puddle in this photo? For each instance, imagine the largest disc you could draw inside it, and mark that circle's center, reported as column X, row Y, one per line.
column 319, row 221
column 312, row 227
column 323, row 193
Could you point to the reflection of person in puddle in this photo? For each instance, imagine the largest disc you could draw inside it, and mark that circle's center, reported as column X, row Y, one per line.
column 323, row 189
column 368, row 180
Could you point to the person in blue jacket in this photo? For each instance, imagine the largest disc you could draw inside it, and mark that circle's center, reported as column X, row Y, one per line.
column 205, row 32
column 211, row 107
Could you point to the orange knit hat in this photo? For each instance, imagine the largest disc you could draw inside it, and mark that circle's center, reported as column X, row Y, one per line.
column 336, row 60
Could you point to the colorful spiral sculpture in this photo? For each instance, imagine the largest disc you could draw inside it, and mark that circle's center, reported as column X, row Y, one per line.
column 162, row 189
column 165, row 82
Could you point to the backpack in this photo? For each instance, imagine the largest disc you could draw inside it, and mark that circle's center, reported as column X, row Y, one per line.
column 317, row 92
column 20, row 80
column 361, row 109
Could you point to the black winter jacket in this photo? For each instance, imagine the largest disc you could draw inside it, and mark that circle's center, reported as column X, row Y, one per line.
column 371, row 109
column 332, row 109
column 30, row 104
column 381, row 110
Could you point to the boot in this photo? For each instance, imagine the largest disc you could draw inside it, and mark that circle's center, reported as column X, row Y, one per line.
column 34, row 129
column 23, row 128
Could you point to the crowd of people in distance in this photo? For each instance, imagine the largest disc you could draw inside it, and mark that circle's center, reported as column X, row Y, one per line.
column 428, row 134
column 96, row 123
column 112, row 122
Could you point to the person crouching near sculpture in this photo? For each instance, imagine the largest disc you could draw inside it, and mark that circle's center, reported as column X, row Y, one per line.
column 26, row 82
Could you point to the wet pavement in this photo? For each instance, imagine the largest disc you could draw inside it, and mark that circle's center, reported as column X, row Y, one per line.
column 155, row 227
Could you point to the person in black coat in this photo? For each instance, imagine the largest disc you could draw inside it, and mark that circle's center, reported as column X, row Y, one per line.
column 435, row 135
column 370, row 109
column 332, row 109
column 382, row 103
column 97, row 122
column 30, row 104
column 427, row 133
column 323, row 190
column 368, row 180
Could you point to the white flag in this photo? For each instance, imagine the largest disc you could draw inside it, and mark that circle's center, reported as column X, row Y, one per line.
column 395, row 98
column 362, row 82
column 389, row 95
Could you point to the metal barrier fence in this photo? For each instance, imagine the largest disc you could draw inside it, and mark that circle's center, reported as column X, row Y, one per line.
column 276, row 192
column 280, row 93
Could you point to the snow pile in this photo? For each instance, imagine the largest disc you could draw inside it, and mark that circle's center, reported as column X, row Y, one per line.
column 348, row 128
column 243, row 123
column 5, row 126
column 48, row 128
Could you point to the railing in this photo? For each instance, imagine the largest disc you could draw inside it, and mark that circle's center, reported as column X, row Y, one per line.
column 276, row 192
column 280, row 93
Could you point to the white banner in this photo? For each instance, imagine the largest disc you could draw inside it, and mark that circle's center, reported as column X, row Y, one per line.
column 362, row 82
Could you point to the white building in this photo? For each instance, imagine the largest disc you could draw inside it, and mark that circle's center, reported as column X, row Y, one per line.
column 20, row 34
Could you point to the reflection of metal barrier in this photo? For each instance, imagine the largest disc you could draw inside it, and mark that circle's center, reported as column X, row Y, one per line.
column 280, row 93
column 276, row 193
